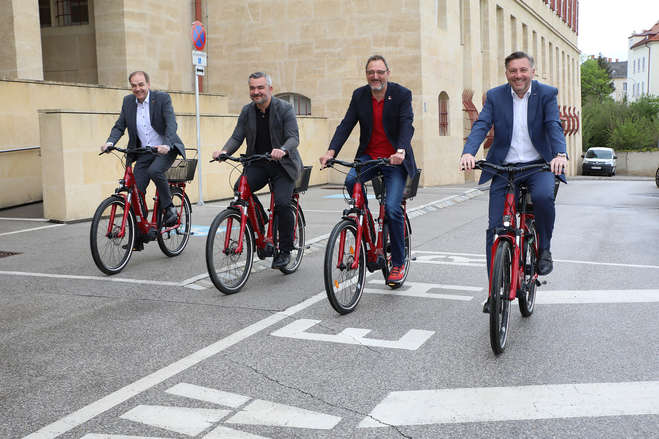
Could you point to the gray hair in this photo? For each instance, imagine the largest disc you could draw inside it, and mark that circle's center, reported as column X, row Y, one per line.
column 257, row 75
column 146, row 76
column 377, row 58
column 519, row 55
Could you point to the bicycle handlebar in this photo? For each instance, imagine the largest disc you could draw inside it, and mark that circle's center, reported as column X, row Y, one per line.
column 150, row 150
column 357, row 164
column 481, row 164
column 244, row 159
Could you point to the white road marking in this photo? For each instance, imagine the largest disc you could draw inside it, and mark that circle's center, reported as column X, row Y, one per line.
column 76, row 277
column 260, row 412
column 184, row 420
column 208, row 395
column 412, row 340
column 31, row 230
column 116, row 436
column 94, row 409
column 560, row 297
column 421, row 289
column 490, row 404
column 222, row 432
column 39, row 220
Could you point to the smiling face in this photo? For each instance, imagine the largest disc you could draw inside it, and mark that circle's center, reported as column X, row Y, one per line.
column 519, row 74
column 377, row 75
column 139, row 86
column 259, row 91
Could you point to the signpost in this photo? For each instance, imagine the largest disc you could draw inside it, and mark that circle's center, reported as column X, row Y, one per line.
column 199, row 62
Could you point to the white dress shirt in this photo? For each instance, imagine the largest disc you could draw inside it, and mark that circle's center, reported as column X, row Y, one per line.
column 521, row 147
column 148, row 136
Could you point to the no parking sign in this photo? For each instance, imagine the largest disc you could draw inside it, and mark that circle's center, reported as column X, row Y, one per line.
column 198, row 35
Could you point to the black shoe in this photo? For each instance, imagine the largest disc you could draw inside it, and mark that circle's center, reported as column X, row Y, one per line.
column 170, row 216
column 137, row 247
column 545, row 264
column 487, row 306
column 281, row 260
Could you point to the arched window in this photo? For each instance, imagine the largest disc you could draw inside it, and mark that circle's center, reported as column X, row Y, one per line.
column 301, row 104
column 469, row 111
column 443, row 114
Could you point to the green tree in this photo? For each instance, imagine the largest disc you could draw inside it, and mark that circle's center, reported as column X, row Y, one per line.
column 596, row 85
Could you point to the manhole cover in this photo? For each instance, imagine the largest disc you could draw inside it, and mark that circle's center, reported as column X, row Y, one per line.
column 4, row 254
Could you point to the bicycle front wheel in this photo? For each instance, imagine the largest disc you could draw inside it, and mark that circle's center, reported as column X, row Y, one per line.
column 499, row 296
column 111, row 250
column 298, row 252
column 228, row 267
column 386, row 268
column 526, row 293
column 344, row 285
column 172, row 242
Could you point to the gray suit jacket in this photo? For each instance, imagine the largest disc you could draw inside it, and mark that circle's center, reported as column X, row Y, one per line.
column 162, row 118
column 283, row 134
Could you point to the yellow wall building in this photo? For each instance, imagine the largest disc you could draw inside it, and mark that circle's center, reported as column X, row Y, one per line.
column 445, row 51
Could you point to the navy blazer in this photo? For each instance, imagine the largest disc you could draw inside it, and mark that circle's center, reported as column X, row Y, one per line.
column 161, row 114
column 545, row 127
column 397, row 118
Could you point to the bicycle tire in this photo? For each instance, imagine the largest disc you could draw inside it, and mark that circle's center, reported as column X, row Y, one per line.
column 111, row 253
column 173, row 242
column 229, row 271
column 344, row 287
column 386, row 246
column 527, row 290
column 499, row 296
column 298, row 252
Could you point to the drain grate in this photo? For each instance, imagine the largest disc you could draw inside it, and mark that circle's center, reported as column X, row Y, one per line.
column 4, row 253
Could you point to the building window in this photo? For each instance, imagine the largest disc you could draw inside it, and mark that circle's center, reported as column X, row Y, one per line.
column 443, row 114
column 44, row 13
column 301, row 104
column 71, row 12
column 624, row 87
column 643, row 64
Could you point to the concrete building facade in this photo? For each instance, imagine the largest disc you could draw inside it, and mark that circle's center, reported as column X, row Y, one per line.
column 448, row 52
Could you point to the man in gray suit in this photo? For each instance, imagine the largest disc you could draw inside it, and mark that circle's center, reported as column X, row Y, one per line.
column 149, row 116
column 269, row 125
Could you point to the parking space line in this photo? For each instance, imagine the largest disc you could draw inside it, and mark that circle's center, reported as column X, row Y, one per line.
column 110, row 401
column 31, row 230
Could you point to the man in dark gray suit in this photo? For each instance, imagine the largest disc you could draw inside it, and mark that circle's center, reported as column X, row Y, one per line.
column 149, row 116
column 269, row 125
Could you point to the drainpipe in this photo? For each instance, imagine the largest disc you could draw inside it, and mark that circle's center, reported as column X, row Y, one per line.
column 649, row 57
column 197, row 16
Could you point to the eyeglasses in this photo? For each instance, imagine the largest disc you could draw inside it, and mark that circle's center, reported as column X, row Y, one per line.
column 373, row 72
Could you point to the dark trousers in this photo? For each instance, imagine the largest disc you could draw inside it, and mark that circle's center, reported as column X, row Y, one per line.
column 260, row 174
column 541, row 187
column 153, row 167
column 394, row 181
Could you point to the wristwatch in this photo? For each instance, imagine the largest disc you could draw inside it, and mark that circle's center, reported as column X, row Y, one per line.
column 400, row 151
column 561, row 154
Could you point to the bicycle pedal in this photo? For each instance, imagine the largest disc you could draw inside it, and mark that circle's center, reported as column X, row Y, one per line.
column 413, row 258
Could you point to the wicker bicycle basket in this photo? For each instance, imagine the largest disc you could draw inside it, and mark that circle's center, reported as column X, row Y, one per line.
column 182, row 170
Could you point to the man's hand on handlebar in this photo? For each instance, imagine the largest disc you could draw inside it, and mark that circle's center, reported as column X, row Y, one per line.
column 558, row 165
column 105, row 146
column 324, row 158
column 277, row 154
column 467, row 162
column 161, row 149
column 220, row 155
column 397, row 158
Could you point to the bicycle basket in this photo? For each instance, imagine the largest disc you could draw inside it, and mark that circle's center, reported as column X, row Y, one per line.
column 411, row 185
column 182, row 170
column 302, row 182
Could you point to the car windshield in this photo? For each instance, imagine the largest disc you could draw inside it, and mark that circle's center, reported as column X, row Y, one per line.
column 599, row 154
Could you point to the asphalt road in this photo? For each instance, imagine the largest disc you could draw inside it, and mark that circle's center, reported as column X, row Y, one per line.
column 158, row 352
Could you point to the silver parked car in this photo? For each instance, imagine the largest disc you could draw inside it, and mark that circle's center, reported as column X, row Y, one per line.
column 599, row 160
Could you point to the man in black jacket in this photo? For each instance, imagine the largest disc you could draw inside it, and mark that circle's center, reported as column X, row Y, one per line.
column 270, row 126
column 384, row 112
column 149, row 116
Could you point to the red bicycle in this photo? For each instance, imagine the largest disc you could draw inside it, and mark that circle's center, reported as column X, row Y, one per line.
column 353, row 246
column 244, row 227
column 119, row 217
column 513, row 273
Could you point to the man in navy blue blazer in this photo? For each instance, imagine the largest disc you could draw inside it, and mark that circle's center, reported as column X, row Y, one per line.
column 384, row 112
column 527, row 129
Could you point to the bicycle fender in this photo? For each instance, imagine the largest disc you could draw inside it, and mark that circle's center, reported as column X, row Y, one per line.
column 299, row 209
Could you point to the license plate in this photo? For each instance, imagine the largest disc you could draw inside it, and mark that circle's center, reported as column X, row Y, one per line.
column 596, row 167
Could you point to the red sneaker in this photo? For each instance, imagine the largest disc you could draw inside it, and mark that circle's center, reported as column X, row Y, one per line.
column 396, row 275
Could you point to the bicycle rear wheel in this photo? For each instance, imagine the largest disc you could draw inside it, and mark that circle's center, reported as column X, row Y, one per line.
column 229, row 269
column 174, row 241
column 499, row 296
column 388, row 265
column 526, row 293
column 344, row 285
column 110, row 251
column 298, row 252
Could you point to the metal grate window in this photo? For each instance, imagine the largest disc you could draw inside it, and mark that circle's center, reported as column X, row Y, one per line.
column 443, row 114
column 71, row 12
column 300, row 103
